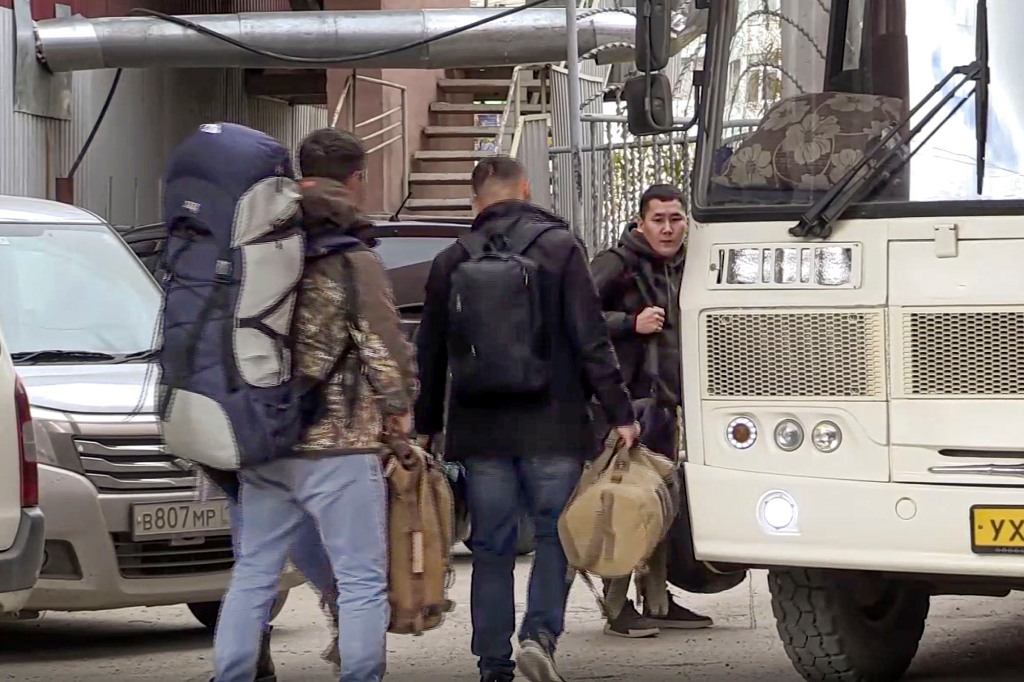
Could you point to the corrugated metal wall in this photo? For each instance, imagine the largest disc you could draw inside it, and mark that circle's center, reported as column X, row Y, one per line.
column 592, row 89
column 151, row 112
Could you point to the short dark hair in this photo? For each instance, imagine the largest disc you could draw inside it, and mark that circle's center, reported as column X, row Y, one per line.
column 662, row 192
column 501, row 168
column 331, row 153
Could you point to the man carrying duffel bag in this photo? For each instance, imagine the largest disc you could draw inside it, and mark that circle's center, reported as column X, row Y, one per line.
column 638, row 282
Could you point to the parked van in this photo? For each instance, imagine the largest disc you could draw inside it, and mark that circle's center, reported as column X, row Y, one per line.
column 79, row 312
column 21, row 521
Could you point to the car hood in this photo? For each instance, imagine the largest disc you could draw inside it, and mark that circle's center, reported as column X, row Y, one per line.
column 91, row 389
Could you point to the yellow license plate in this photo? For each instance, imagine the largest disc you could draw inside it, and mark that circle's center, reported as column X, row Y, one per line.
column 997, row 530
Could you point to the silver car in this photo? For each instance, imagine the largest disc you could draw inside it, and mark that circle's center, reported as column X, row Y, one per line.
column 79, row 313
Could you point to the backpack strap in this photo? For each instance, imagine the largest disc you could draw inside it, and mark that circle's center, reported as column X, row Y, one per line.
column 350, row 380
column 634, row 267
column 521, row 237
column 474, row 243
column 513, row 237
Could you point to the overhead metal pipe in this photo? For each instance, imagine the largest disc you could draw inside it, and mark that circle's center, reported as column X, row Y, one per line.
column 531, row 36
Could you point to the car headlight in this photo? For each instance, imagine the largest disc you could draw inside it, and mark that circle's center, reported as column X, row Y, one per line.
column 826, row 437
column 789, row 435
column 741, row 433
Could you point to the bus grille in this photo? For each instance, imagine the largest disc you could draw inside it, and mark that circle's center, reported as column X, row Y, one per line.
column 966, row 353
column 765, row 354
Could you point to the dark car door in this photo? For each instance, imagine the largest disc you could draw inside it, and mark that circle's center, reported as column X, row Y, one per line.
column 406, row 248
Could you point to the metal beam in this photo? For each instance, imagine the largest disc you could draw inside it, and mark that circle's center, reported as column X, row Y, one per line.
column 532, row 36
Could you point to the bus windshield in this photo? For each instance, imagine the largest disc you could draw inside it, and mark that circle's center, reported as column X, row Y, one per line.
column 800, row 90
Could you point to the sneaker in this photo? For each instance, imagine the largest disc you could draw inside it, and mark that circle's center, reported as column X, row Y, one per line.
column 629, row 623
column 535, row 663
column 681, row 618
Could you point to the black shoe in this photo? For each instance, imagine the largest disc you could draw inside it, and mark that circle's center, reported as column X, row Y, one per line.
column 265, row 671
column 497, row 677
column 680, row 618
column 629, row 623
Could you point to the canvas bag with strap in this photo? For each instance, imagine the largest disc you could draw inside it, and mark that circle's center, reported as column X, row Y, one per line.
column 622, row 508
column 420, row 535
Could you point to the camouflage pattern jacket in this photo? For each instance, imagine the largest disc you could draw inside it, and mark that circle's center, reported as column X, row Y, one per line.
column 359, row 358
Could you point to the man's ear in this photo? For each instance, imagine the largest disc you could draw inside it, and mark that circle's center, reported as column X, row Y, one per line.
column 524, row 188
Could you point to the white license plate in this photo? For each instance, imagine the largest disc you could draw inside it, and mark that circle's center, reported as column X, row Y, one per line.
column 180, row 518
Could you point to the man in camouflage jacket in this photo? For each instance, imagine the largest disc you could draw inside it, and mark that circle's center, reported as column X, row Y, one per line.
column 355, row 371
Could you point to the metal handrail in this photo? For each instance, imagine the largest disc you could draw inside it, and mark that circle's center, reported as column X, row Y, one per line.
column 511, row 112
column 402, row 123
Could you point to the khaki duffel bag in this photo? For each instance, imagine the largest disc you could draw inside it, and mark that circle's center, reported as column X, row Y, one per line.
column 624, row 505
column 420, row 528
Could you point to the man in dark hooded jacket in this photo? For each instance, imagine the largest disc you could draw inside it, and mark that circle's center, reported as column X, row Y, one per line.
column 521, row 451
column 638, row 281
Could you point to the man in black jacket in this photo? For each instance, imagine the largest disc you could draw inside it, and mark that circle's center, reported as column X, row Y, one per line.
column 521, row 451
column 638, row 282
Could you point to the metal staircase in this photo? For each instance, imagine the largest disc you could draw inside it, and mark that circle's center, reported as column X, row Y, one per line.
column 465, row 123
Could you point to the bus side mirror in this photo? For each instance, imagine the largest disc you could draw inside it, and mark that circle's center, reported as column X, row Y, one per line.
column 653, row 35
column 648, row 104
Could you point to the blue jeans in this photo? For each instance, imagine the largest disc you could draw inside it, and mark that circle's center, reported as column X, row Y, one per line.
column 347, row 498
column 307, row 552
column 497, row 488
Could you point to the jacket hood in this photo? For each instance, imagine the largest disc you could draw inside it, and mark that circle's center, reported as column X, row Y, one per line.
column 327, row 205
column 513, row 208
column 635, row 241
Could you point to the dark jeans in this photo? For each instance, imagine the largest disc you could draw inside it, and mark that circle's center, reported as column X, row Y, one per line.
column 497, row 488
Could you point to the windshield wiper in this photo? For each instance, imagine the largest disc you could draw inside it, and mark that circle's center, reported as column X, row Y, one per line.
column 31, row 356
column 878, row 165
column 142, row 355
column 981, row 90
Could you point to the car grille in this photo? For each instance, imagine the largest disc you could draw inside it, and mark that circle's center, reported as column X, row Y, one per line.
column 161, row 558
column 963, row 353
column 133, row 465
column 765, row 354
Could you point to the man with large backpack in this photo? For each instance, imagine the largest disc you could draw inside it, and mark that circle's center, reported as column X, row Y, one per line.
column 638, row 282
column 512, row 312
column 283, row 360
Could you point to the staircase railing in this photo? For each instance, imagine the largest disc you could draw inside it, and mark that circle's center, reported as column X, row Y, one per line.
column 394, row 119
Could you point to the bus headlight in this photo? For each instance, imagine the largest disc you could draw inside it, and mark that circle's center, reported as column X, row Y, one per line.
column 826, row 437
column 777, row 512
column 741, row 433
column 789, row 435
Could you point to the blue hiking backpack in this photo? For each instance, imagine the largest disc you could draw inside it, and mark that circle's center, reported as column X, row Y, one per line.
column 234, row 257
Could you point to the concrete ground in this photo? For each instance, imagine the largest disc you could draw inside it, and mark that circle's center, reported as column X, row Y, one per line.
column 967, row 640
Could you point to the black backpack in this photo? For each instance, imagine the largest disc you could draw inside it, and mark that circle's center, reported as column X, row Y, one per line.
column 498, row 341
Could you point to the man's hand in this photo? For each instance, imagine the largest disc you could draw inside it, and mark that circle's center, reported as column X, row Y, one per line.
column 399, row 424
column 650, row 320
column 628, row 434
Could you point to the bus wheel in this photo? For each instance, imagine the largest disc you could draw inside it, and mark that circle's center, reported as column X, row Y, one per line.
column 848, row 627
